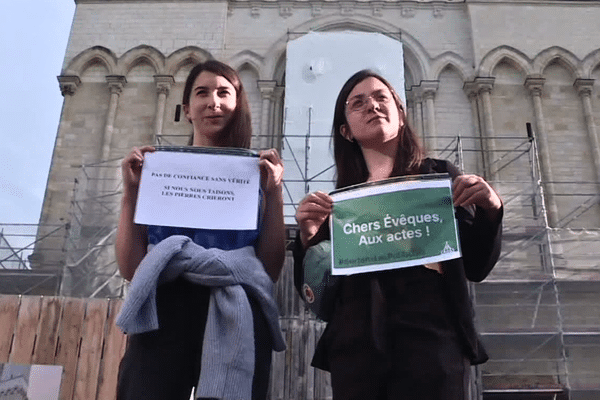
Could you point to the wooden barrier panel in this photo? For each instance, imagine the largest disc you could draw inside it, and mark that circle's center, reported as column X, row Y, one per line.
column 81, row 336
column 292, row 377
column 77, row 334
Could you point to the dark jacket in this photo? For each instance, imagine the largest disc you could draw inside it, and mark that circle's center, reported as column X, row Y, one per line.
column 480, row 245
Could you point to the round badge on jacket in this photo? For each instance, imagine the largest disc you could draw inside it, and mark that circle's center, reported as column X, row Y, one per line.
column 309, row 295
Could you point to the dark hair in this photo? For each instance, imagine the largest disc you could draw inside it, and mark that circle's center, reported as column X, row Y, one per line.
column 349, row 160
column 239, row 131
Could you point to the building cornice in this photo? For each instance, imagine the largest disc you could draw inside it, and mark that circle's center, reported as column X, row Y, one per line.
column 570, row 3
column 307, row 3
column 288, row 3
column 345, row 8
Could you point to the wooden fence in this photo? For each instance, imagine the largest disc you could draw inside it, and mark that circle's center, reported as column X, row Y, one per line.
column 78, row 334
column 81, row 336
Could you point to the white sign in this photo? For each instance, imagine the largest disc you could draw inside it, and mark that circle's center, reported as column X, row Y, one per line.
column 199, row 190
column 318, row 65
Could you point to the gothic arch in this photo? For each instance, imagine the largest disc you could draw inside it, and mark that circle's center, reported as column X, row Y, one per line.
column 279, row 74
column 98, row 54
column 416, row 57
column 142, row 53
column 452, row 60
column 249, row 58
column 564, row 57
column 183, row 56
column 590, row 63
column 274, row 54
column 504, row 53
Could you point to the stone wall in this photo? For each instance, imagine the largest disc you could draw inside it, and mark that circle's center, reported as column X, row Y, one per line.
column 476, row 70
column 472, row 69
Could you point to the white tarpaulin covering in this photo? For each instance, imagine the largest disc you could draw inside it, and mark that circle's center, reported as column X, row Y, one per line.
column 318, row 64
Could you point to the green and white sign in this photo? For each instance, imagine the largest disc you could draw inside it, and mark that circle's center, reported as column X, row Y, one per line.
column 396, row 223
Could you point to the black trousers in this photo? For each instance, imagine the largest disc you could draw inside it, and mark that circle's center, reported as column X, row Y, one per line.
column 165, row 364
column 419, row 358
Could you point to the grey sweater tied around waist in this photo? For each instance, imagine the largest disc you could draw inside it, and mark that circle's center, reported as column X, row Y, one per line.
column 233, row 275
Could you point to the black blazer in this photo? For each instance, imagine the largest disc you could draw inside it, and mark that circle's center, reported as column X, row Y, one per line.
column 480, row 245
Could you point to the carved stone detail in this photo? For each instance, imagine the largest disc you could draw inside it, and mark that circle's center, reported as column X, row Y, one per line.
column 377, row 7
column 346, row 8
column 163, row 83
column 316, row 9
column 68, row 84
column 535, row 83
column 408, row 12
column 484, row 84
column 286, row 9
column 255, row 10
column 116, row 83
column 584, row 86
column 429, row 89
column 471, row 90
column 267, row 88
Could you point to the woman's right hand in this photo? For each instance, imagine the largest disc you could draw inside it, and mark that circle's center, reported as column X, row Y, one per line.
column 312, row 211
column 131, row 167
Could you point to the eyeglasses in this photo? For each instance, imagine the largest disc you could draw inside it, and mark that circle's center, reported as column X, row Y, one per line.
column 358, row 103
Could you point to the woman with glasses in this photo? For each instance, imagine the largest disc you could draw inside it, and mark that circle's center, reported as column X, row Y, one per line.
column 406, row 333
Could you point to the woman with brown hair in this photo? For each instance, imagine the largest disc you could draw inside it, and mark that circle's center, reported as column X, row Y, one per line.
column 406, row 333
column 166, row 363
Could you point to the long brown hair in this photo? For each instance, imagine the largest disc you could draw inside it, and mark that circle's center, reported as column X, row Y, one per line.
column 238, row 133
column 349, row 159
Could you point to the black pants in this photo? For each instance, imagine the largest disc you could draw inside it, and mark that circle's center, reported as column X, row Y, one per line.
column 422, row 358
column 165, row 364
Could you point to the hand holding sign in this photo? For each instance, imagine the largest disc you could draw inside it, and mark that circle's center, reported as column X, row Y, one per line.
column 312, row 211
column 131, row 167
column 271, row 170
column 468, row 190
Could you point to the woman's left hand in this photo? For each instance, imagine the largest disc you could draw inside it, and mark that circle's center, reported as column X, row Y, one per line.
column 474, row 190
column 271, row 170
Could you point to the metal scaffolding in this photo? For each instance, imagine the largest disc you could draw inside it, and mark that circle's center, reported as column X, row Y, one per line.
column 90, row 269
column 538, row 311
column 21, row 270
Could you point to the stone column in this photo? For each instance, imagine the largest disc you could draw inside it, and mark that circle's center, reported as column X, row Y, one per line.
column 410, row 110
column 584, row 88
column 484, row 87
column 68, row 87
column 266, row 90
column 163, row 86
column 115, row 85
column 418, row 114
column 534, row 84
column 470, row 89
column 57, row 195
column 428, row 90
column 278, row 118
column 106, row 176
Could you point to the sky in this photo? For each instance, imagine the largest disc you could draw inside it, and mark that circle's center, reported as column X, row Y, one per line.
column 33, row 40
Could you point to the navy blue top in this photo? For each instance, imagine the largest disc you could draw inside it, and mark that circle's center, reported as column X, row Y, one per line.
column 207, row 238
column 226, row 239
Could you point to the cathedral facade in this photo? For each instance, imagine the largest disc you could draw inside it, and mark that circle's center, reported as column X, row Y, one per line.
column 509, row 89
column 472, row 69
